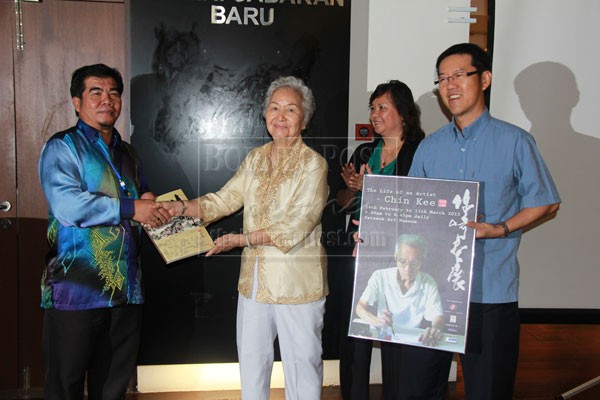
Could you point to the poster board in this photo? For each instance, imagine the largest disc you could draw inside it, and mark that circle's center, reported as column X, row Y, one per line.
column 414, row 230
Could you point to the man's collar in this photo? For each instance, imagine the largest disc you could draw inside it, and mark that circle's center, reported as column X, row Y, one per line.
column 92, row 134
column 476, row 128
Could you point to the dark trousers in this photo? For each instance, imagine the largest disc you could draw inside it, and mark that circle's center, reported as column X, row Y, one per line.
column 490, row 363
column 355, row 354
column 355, row 365
column 101, row 342
column 408, row 372
column 414, row 372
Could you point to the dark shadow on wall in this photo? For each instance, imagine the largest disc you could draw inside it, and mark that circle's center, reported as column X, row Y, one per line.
column 548, row 93
column 434, row 114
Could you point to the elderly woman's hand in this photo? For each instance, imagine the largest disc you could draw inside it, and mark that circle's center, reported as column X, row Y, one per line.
column 226, row 243
column 174, row 208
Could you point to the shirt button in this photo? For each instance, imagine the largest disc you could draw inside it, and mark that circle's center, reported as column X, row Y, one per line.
column 463, row 149
column 460, row 170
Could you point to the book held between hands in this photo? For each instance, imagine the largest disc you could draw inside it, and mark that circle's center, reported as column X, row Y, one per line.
column 181, row 237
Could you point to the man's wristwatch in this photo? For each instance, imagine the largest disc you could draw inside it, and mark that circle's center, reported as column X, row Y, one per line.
column 505, row 227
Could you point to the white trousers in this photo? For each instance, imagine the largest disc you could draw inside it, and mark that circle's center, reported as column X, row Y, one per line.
column 299, row 328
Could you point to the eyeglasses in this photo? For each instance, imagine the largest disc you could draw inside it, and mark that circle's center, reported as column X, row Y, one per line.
column 458, row 78
column 413, row 264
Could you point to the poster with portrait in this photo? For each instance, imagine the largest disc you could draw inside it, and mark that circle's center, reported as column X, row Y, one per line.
column 413, row 268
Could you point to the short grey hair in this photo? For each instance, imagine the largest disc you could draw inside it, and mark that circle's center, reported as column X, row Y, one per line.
column 417, row 242
column 296, row 84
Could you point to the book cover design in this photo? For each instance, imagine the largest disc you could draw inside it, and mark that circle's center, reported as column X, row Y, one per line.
column 181, row 237
column 414, row 267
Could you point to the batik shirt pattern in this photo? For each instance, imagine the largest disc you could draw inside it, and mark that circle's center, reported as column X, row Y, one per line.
column 93, row 257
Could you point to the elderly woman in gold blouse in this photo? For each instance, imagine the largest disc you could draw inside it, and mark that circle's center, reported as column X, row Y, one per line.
column 282, row 187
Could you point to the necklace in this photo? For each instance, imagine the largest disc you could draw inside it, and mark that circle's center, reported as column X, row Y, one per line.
column 391, row 156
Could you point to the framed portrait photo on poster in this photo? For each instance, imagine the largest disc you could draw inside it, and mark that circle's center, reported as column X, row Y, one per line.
column 414, row 265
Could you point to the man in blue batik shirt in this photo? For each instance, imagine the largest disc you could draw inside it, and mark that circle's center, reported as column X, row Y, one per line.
column 91, row 285
column 516, row 190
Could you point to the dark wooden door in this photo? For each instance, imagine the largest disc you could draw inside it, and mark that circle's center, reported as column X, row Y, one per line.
column 9, row 315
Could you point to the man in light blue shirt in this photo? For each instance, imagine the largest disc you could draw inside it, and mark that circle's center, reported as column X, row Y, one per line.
column 516, row 190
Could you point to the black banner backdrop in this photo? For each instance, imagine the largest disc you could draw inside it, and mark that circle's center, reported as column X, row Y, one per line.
column 199, row 70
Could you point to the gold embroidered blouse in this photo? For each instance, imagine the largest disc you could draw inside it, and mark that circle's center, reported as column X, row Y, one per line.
column 287, row 202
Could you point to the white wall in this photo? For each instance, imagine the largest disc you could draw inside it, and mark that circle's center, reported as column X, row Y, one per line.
column 545, row 80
